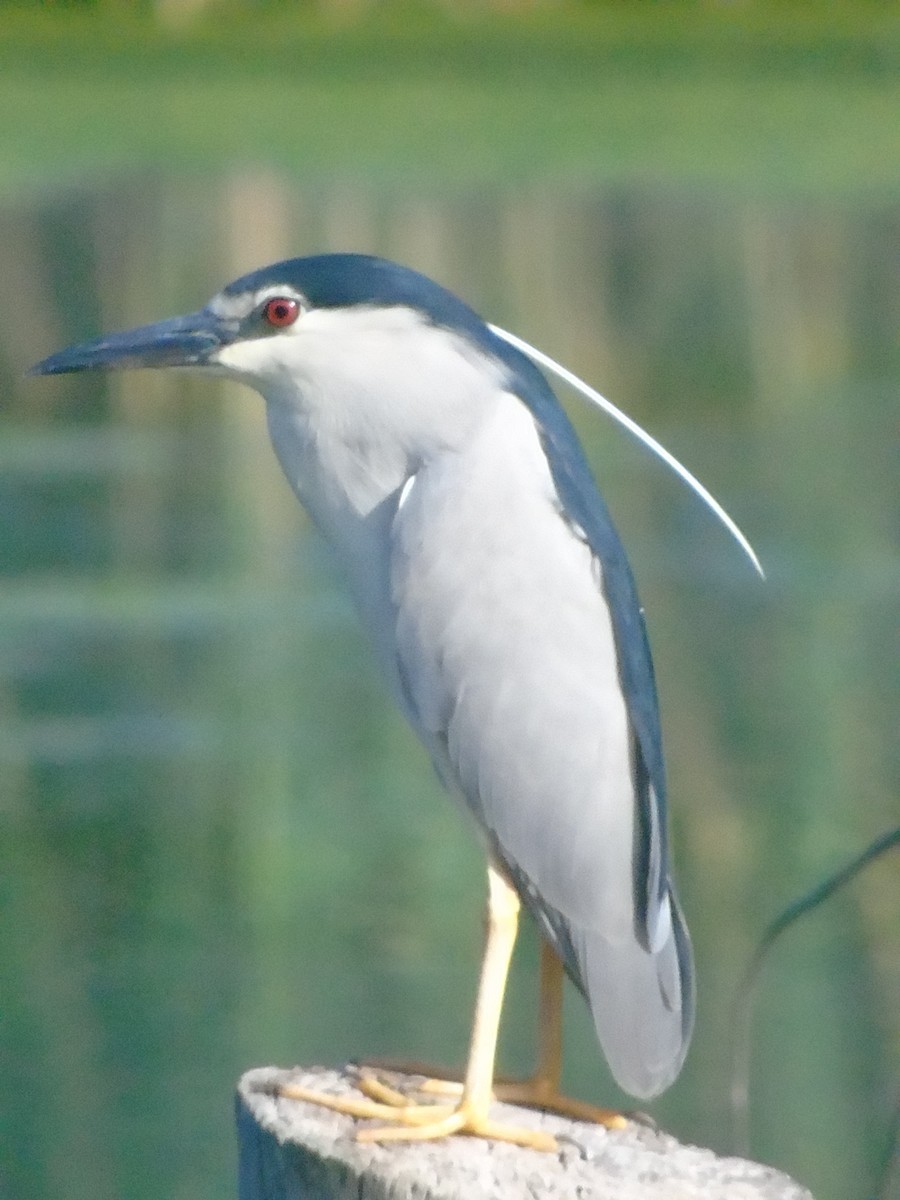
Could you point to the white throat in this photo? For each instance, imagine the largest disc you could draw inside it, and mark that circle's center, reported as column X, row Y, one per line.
column 357, row 401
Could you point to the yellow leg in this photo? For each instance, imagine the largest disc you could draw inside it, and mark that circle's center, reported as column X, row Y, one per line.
column 542, row 1090
column 418, row 1122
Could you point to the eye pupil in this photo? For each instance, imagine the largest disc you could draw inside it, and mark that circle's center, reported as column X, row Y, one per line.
column 281, row 311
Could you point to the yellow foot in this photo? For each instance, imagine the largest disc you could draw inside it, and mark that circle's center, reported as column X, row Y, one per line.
column 417, row 1122
column 540, row 1093
column 465, row 1119
column 403, row 1086
column 536, row 1092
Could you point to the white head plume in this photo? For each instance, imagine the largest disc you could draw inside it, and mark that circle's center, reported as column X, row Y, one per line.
column 544, row 360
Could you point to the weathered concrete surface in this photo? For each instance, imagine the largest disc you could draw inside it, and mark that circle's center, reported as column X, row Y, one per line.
column 295, row 1151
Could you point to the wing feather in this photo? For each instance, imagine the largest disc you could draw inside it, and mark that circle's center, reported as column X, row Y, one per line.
column 529, row 679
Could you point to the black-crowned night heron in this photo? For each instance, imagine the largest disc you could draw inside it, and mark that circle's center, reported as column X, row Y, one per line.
column 438, row 464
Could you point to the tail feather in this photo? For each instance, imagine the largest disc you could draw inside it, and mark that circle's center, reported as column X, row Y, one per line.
column 642, row 1004
column 642, row 1001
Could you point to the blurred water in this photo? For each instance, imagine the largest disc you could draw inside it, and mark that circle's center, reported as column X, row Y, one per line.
column 221, row 848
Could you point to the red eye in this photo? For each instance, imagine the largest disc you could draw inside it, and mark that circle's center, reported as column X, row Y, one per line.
column 281, row 311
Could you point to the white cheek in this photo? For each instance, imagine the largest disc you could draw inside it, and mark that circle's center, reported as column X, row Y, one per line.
column 383, row 381
column 257, row 361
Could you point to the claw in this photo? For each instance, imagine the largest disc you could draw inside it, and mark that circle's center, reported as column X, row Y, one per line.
column 534, row 1093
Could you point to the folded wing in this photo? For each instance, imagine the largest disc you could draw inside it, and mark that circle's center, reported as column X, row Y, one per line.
column 528, row 677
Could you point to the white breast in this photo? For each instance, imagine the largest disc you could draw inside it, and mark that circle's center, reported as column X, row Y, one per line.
column 358, row 402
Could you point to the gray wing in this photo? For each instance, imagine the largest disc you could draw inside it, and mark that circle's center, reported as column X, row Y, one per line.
column 511, row 665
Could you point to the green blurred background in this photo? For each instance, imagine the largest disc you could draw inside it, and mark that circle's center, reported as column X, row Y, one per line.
column 219, row 846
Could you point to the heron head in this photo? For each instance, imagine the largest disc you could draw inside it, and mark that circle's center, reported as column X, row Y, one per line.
column 347, row 339
column 271, row 321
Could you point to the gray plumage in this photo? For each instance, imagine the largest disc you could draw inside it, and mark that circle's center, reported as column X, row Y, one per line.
column 438, row 464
